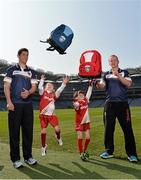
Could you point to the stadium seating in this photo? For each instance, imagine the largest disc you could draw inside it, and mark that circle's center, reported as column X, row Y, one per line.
column 66, row 98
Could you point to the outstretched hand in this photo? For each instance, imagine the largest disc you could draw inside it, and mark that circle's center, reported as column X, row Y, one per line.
column 43, row 77
column 66, row 79
column 92, row 82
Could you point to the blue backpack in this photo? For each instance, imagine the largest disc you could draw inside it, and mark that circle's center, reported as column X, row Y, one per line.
column 60, row 39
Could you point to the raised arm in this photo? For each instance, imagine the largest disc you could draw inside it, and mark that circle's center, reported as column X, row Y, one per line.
column 41, row 85
column 89, row 91
column 62, row 87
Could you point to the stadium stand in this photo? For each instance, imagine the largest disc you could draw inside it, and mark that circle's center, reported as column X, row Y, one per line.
column 65, row 100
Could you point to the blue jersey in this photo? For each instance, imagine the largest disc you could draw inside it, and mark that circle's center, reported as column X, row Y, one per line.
column 20, row 79
column 115, row 90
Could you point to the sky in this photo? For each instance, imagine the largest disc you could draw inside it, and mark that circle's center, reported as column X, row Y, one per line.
column 109, row 26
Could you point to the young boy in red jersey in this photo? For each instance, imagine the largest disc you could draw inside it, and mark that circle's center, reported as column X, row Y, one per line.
column 82, row 120
column 48, row 96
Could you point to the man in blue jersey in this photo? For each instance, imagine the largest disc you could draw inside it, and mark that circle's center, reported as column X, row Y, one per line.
column 117, row 81
column 19, row 85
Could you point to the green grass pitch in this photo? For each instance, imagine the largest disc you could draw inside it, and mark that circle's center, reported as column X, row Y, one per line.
column 64, row 162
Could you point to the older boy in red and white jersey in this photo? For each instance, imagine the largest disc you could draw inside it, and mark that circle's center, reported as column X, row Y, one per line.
column 48, row 96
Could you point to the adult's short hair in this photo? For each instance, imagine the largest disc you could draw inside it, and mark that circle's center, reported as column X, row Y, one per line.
column 22, row 50
column 114, row 56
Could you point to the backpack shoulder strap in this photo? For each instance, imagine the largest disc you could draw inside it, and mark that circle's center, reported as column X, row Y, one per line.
column 51, row 48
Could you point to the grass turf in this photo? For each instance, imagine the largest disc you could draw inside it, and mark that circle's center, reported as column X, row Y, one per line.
column 64, row 162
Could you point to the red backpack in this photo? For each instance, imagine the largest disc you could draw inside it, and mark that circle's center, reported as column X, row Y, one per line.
column 90, row 67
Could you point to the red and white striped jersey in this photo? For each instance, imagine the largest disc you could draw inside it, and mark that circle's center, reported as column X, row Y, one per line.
column 47, row 99
column 47, row 105
column 81, row 113
column 81, row 108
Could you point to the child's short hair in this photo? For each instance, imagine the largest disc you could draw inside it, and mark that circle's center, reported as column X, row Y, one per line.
column 76, row 93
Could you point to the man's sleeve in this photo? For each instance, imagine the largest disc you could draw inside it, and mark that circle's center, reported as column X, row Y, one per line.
column 9, row 75
column 34, row 78
column 127, row 75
